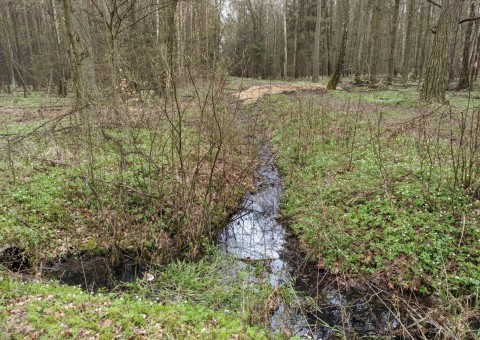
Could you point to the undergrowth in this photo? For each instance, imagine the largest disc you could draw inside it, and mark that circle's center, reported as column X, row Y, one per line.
column 158, row 175
column 352, row 186
column 382, row 198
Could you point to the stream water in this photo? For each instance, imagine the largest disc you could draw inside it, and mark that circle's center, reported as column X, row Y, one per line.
column 255, row 235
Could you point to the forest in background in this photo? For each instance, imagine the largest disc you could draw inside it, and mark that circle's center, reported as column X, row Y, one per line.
column 143, row 45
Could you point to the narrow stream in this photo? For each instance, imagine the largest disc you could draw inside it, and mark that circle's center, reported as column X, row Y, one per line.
column 255, row 235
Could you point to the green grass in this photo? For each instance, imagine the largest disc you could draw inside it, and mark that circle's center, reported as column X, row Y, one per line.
column 407, row 98
column 403, row 97
column 49, row 310
column 65, row 189
column 374, row 208
column 33, row 100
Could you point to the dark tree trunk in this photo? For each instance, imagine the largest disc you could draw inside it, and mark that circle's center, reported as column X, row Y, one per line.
column 436, row 76
column 464, row 82
column 337, row 72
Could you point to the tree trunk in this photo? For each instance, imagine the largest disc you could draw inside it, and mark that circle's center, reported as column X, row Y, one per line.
column 31, row 72
column 60, row 76
column 374, row 42
column 393, row 43
column 423, row 20
column 327, row 51
column 76, row 56
column 20, row 65
column 464, row 82
column 295, row 38
column 426, row 44
column 285, row 41
column 408, row 41
column 337, row 72
column 82, row 28
column 10, row 55
column 276, row 63
column 316, row 51
column 359, row 61
column 436, row 77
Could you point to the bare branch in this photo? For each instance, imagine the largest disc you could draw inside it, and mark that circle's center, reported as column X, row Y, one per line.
column 468, row 19
column 434, row 3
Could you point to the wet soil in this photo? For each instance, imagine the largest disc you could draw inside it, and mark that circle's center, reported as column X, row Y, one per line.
column 95, row 273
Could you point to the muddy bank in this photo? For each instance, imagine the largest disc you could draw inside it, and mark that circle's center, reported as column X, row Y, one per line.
column 91, row 273
column 94, row 273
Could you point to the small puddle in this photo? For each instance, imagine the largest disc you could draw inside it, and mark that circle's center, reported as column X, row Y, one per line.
column 254, row 234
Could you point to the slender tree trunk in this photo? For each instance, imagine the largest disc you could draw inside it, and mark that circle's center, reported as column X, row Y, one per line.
column 361, row 33
column 276, row 70
column 408, row 41
column 316, row 51
column 76, row 56
column 295, row 38
column 420, row 39
column 61, row 76
column 285, row 41
column 9, row 30
column 28, row 36
column 337, row 72
column 82, row 28
column 426, row 44
column 328, row 50
column 374, row 42
column 10, row 65
column 393, row 42
column 20, row 64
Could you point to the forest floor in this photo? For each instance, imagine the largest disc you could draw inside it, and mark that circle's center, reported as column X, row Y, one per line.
column 380, row 188
column 377, row 171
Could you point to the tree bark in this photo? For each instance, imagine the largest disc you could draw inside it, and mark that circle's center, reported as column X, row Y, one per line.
column 285, row 41
column 408, row 41
column 10, row 55
column 337, row 72
column 359, row 60
column 316, row 51
column 374, row 42
column 422, row 26
column 436, row 76
column 393, row 42
column 75, row 52
column 464, row 82
column 82, row 28
column 295, row 38
column 61, row 75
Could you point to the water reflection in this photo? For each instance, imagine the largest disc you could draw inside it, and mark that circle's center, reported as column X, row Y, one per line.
column 254, row 235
